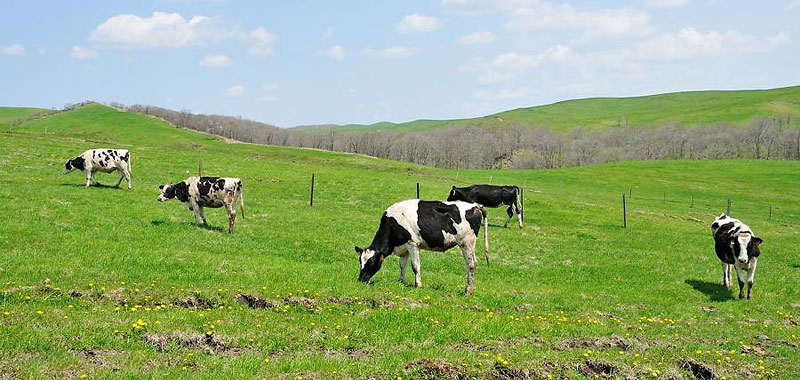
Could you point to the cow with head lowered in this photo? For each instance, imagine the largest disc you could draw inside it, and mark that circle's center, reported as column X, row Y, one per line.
column 736, row 245
column 213, row 192
column 102, row 160
column 407, row 227
column 490, row 196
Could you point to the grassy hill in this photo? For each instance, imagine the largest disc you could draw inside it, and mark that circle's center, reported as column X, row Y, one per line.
column 13, row 113
column 111, row 284
column 694, row 107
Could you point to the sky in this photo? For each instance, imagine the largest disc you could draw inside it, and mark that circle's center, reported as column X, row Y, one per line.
column 306, row 62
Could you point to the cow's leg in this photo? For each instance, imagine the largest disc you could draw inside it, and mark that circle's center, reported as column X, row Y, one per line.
column 510, row 213
column 740, row 278
column 403, row 265
column 726, row 275
column 750, row 274
column 128, row 177
column 202, row 214
column 413, row 251
column 121, row 176
column 94, row 180
column 519, row 214
column 468, row 250
column 231, row 217
column 89, row 177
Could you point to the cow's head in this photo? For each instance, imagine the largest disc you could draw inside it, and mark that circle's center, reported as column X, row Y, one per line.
column 370, row 261
column 746, row 246
column 167, row 192
column 455, row 195
column 73, row 164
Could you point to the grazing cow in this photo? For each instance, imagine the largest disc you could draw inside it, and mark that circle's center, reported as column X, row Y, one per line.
column 490, row 196
column 408, row 226
column 736, row 245
column 102, row 160
column 213, row 192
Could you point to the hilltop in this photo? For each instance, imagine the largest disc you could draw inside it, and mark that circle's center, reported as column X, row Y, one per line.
column 735, row 107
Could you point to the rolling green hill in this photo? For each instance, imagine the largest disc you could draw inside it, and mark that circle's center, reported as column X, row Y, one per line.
column 106, row 283
column 694, row 107
column 12, row 113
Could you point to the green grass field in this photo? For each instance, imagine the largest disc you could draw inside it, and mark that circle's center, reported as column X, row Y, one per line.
column 110, row 284
column 690, row 108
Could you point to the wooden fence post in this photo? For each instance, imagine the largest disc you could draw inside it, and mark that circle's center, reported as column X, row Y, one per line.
column 417, row 190
column 728, row 213
column 624, row 213
column 522, row 202
column 200, row 169
column 311, row 201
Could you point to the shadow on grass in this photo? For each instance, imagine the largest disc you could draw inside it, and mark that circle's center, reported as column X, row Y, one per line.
column 98, row 185
column 715, row 291
column 160, row 223
column 795, row 266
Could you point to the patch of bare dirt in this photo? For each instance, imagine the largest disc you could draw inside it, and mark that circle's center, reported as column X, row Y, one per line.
column 603, row 343
column 435, row 369
column 211, row 343
column 195, row 302
column 594, row 368
column 255, row 302
column 699, row 370
column 100, row 357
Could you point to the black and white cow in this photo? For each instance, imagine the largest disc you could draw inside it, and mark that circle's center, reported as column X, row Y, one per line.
column 490, row 196
column 213, row 192
column 408, row 226
column 102, row 160
column 737, row 245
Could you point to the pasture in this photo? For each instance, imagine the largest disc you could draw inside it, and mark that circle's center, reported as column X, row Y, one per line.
column 736, row 107
column 107, row 283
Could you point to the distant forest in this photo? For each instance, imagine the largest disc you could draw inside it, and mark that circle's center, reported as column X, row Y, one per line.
column 516, row 146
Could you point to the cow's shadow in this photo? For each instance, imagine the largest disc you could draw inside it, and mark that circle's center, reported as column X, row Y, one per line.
column 97, row 185
column 160, row 223
column 715, row 291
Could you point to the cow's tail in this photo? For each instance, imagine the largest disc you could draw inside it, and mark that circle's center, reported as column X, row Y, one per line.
column 241, row 199
column 485, row 235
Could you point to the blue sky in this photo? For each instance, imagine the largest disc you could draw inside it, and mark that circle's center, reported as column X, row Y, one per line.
column 310, row 62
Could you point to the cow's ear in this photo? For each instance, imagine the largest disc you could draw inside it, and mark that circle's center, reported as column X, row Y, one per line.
column 359, row 250
column 161, row 187
column 757, row 241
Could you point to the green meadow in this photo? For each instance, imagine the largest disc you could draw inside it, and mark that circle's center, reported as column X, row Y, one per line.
column 106, row 283
column 690, row 108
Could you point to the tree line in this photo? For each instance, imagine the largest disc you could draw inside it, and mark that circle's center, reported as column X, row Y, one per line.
column 516, row 146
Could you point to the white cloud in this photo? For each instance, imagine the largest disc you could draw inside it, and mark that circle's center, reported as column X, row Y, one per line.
column 237, row 90
column 14, row 50
column 82, row 53
column 504, row 67
column 216, row 61
column 418, row 23
column 261, row 41
column 666, row 3
column 41, row 51
column 327, row 34
column 261, row 36
column 391, row 52
column 594, row 23
column 483, row 6
column 477, row 38
column 160, row 30
column 334, row 52
column 689, row 43
column 794, row 4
